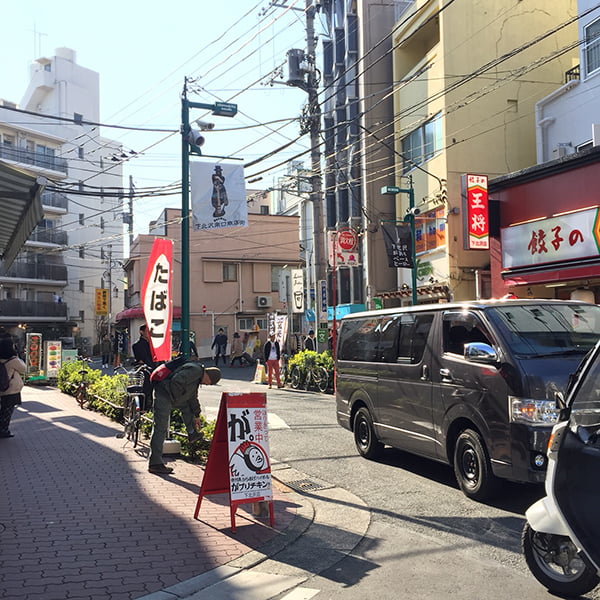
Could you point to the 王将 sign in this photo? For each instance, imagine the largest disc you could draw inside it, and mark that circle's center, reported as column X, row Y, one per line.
column 475, row 211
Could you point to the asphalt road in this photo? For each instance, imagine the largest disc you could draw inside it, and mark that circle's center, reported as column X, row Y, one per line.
column 422, row 527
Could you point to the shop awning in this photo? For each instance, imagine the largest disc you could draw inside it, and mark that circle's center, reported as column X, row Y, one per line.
column 21, row 210
column 137, row 312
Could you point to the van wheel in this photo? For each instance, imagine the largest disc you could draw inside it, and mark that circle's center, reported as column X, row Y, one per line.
column 365, row 439
column 472, row 466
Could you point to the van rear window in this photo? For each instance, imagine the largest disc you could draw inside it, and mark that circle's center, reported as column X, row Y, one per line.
column 388, row 339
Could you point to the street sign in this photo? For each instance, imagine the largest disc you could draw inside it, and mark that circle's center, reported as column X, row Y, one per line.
column 322, row 300
column 347, row 239
column 390, row 189
column 224, row 109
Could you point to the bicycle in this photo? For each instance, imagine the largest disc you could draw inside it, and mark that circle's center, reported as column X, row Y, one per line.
column 81, row 392
column 314, row 375
column 134, row 403
column 284, row 369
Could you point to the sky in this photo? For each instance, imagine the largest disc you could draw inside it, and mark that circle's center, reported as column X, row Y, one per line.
column 144, row 50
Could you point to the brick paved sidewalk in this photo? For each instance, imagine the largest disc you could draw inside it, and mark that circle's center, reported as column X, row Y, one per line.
column 80, row 516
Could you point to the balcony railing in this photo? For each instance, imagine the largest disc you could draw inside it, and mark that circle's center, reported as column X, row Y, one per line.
column 55, row 199
column 573, row 74
column 27, row 308
column 27, row 270
column 49, row 236
column 44, row 161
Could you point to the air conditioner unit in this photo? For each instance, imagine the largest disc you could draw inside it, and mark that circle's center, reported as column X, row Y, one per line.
column 264, row 301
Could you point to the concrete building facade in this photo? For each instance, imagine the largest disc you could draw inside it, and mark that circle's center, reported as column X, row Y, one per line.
column 467, row 78
column 78, row 246
column 234, row 275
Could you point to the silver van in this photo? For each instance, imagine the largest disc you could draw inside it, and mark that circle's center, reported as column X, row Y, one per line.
column 472, row 384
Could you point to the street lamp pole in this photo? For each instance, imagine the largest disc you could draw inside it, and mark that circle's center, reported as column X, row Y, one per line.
column 185, row 224
column 222, row 109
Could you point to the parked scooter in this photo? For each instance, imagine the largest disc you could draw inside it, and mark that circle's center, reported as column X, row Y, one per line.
column 561, row 539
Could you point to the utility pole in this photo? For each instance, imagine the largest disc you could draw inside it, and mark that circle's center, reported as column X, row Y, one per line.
column 130, row 222
column 314, row 123
column 303, row 74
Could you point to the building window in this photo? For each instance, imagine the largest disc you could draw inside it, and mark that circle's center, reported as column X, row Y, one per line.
column 591, row 50
column 80, row 151
column 262, row 323
column 245, row 324
column 48, row 67
column 275, row 271
column 81, row 285
column 102, row 224
column 81, row 251
column 81, row 219
column 264, row 210
column 421, row 144
column 229, row 272
column 82, row 315
column 8, row 140
column 78, row 119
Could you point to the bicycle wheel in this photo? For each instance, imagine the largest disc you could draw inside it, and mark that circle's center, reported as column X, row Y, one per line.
column 130, row 420
column 80, row 396
column 321, row 378
column 295, row 378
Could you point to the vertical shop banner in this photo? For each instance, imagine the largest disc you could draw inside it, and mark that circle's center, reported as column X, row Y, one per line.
column 398, row 244
column 33, row 354
column 279, row 325
column 238, row 460
column 156, row 298
column 474, row 191
column 297, row 276
column 218, row 193
column 101, row 302
column 53, row 357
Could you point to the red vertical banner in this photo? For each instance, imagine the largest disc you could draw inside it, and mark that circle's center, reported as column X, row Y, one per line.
column 156, row 298
column 475, row 209
column 238, row 460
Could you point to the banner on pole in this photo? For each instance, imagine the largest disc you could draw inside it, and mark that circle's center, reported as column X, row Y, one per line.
column 398, row 244
column 297, row 291
column 156, row 298
column 218, row 193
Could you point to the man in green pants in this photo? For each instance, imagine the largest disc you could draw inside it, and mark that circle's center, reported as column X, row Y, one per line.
column 179, row 390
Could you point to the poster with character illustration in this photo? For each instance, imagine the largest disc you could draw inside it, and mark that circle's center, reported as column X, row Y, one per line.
column 248, row 443
column 218, row 195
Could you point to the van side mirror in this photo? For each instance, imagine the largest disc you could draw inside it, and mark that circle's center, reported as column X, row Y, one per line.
column 481, row 353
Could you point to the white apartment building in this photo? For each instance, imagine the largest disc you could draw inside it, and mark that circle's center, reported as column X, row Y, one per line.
column 568, row 119
column 78, row 245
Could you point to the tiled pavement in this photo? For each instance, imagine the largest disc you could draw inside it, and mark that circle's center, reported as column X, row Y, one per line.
column 80, row 516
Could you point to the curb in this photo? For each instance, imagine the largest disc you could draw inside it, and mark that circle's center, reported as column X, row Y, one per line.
column 329, row 523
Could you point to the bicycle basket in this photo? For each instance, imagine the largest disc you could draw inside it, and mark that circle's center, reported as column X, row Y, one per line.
column 135, row 382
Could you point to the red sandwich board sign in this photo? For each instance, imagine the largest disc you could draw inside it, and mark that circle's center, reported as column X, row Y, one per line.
column 238, row 461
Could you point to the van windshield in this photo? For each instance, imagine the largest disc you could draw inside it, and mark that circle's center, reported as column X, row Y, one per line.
column 548, row 329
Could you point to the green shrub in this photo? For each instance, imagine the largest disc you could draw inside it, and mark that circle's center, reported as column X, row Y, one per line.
column 107, row 395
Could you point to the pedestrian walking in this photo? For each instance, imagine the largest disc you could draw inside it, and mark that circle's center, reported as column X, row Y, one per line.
column 220, row 346
column 105, row 349
column 272, row 353
column 310, row 343
column 10, row 397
